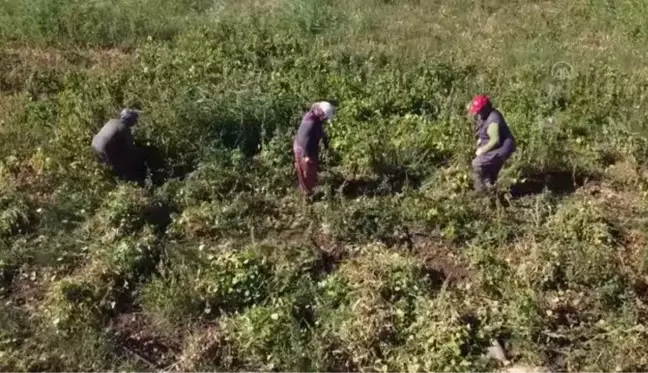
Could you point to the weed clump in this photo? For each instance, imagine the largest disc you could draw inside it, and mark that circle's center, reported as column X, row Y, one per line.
column 16, row 211
column 216, row 247
column 123, row 210
column 205, row 349
column 581, row 221
column 103, row 288
column 73, row 304
column 366, row 308
column 207, row 284
column 267, row 338
column 238, row 218
column 15, row 215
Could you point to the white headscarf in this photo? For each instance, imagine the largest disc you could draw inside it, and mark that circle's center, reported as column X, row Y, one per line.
column 326, row 108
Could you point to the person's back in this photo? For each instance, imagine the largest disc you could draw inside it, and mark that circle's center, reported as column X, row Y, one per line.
column 115, row 146
column 506, row 143
column 113, row 141
column 309, row 134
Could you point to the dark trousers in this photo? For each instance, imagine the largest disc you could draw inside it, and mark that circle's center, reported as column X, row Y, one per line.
column 130, row 167
column 486, row 169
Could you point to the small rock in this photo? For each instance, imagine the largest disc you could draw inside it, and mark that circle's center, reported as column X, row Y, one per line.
column 496, row 352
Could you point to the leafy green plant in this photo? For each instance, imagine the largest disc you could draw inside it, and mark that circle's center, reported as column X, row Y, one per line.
column 367, row 306
column 213, row 284
column 395, row 265
column 15, row 215
column 266, row 338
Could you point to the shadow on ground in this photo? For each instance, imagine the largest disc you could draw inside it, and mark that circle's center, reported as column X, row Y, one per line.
column 159, row 216
column 150, row 165
column 158, row 168
column 558, row 182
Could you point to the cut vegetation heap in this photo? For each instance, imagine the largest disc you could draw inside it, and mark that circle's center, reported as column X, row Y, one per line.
column 216, row 264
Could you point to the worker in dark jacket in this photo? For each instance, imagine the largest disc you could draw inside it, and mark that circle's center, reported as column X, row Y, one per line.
column 306, row 144
column 495, row 143
column 114, row 146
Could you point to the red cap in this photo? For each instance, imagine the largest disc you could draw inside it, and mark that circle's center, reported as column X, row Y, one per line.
column 479, row 102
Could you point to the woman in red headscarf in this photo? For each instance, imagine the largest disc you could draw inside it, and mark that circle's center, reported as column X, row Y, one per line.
column 495, row 143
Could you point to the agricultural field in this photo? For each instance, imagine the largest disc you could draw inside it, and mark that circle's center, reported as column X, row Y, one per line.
column 217, row 264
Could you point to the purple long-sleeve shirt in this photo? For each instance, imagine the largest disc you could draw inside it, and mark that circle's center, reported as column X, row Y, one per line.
column 311, row 131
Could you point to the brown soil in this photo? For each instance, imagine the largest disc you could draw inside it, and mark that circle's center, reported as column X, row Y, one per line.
column 136, row 336
column 443, row 259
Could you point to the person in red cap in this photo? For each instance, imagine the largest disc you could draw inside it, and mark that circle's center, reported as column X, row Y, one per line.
column 495, row 143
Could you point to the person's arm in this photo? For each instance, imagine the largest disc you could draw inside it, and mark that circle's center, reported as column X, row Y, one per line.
column 493, row 139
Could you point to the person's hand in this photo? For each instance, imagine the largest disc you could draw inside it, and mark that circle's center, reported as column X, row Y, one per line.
column 306, row 169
